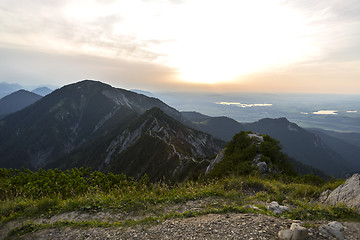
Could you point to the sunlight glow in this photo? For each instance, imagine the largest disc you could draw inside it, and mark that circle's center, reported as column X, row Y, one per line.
column 233, row 38
column 206, row 41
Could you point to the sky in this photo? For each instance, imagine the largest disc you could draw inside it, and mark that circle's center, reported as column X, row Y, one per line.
column 301, row 46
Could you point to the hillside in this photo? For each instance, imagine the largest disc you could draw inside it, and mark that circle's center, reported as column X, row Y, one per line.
column 345, row 149
column 352, row 138
column 302, row 145
column 154, row 144
column 221, row 127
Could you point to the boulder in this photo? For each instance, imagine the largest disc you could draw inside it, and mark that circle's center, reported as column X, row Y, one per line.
column 285, row 234
column 262, row 167
column 332, row 229
column 276, row 208
column 296, row 232
column 347, row 193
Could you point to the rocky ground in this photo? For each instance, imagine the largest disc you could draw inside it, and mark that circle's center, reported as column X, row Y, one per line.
column 253, row 225
column 211, row 226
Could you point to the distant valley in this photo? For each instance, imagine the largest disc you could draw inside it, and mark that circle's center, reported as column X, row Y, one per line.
column 339, row 113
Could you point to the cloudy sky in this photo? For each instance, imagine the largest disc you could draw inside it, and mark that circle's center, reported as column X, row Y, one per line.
column 178, row 45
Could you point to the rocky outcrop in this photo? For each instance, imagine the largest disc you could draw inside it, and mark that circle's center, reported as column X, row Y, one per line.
column 347, row 193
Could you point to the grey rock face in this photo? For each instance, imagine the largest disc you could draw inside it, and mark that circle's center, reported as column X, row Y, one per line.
column 347, row 193
column 276, row 208
column 218, row 159
column 324, row 195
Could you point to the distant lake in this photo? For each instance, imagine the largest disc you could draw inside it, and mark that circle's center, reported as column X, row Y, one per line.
column 245, row 105
column 326, row 112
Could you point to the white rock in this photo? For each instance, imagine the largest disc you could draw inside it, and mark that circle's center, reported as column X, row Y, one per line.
column 251, row 206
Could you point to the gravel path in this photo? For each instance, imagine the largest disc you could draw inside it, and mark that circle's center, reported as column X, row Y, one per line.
column 212, row 226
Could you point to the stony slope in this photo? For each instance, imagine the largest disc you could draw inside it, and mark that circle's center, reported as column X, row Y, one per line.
column 154, row 143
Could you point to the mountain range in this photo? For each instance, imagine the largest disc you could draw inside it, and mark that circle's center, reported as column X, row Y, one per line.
column 306, row 146
column 90, row 118
column 92, row 124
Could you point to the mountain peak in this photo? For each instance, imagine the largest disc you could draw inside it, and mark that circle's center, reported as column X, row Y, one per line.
column 282, row 120
column 42, row 91
column 17, row 101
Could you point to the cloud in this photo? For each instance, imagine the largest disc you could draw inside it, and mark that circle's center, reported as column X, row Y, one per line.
column 33, row 67
column 300, row 45
column 61, row 26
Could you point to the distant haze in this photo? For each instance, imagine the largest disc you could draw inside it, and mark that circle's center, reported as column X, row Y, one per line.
column 181, row 45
